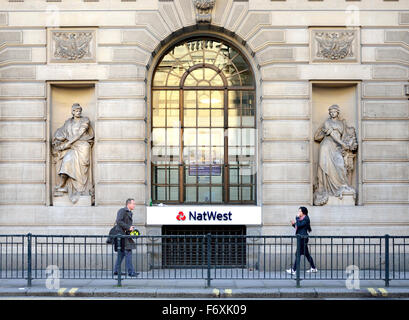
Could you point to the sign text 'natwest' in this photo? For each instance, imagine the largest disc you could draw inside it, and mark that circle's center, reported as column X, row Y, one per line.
column 210, row 216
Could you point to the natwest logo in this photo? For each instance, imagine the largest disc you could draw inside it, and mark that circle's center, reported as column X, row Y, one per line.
column 181, row 216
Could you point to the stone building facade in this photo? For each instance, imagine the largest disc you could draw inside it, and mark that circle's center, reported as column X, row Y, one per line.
column 303, row 57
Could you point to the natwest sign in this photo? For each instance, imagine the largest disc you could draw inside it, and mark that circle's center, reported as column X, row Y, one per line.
column 210, row 216
column 215, row 215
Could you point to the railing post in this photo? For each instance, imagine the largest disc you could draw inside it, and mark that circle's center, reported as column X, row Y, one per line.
column 29, row 259
column 209, row 252
column 118, row 244
column 387, row 260
column 298, row 261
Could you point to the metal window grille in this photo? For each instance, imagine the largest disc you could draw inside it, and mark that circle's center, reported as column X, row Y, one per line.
column 187, row 246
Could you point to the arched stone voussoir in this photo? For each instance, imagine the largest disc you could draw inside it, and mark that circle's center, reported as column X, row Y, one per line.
column 206, row 30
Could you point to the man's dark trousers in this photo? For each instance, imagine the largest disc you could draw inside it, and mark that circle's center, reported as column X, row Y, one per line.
column 127, row 254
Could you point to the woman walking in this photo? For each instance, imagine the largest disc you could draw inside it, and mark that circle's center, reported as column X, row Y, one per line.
column 302, row 227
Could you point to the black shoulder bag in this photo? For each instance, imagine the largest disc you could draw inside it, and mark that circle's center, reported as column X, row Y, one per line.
column 115, row 230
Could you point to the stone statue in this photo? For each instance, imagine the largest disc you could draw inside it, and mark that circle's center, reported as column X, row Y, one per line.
column 71, row 148
column 338, row 145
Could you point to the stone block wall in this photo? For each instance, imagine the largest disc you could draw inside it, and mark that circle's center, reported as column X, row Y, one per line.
column 276, row 36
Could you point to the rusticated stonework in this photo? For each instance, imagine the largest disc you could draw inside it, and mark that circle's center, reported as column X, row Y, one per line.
column 71, row 45
column 336, row 45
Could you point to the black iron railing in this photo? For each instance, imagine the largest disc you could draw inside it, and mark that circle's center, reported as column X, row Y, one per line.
column 206, row 257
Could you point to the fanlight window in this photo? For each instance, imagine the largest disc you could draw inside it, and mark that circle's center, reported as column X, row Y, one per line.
column 188, row 59
column 203, row 125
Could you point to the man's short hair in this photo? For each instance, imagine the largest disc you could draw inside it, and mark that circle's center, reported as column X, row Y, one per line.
column 128, row 201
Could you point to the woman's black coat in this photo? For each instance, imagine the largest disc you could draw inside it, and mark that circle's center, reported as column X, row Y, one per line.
column 303, row 226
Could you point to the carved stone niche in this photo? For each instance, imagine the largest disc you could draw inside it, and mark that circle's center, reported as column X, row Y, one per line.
column 334, row 45
column 335, row 143
column 67, row 45
column 72, row 143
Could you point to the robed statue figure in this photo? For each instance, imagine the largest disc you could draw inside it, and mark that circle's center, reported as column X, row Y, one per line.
column 338, row 145
column 71, row 147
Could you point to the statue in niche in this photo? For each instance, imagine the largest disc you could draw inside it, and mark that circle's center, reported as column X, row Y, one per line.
column 71, row 147
column 338, row 146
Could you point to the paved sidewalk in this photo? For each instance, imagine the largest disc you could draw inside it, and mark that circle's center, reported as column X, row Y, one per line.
column 196, row 289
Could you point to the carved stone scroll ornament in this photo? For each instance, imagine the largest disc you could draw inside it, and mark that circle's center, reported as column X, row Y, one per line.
column 204, row 10
column 72, row 45
column 335, row 45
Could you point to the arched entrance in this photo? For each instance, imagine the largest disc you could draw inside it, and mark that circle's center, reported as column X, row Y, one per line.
column 203, row 122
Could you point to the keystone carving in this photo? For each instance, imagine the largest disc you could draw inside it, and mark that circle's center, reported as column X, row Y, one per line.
column 204, row 10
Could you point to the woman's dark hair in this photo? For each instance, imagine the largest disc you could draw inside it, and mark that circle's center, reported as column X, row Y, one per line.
column 304, row 210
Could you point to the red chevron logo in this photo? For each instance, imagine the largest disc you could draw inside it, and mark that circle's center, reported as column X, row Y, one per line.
column 181, row 216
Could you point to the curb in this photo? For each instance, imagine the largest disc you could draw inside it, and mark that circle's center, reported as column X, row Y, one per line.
column 210, row 293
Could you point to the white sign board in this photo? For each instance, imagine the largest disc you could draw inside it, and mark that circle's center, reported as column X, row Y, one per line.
column 203, row 215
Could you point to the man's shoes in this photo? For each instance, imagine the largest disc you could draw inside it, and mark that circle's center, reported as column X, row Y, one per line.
column 290, row 271
column 313, row 270
column 122, row 273
column 133, row 274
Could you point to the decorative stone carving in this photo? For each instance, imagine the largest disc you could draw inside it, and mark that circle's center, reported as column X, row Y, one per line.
column 338, row 146
column 334, row 45
column 349, row 154
column 72, row 46
column 204, row 10
column 71, row 149
column 339, row 45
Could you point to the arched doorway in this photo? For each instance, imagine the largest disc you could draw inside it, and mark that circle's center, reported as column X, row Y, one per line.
column 203, row 125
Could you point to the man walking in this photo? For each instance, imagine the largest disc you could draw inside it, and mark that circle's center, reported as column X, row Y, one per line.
column 124, row 221
column 302, row 227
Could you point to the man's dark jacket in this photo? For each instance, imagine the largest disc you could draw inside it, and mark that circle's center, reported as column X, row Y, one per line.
column 124, row 221
column 303, row 226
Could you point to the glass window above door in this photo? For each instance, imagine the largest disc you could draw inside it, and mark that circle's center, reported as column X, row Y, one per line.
column 203, row 126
